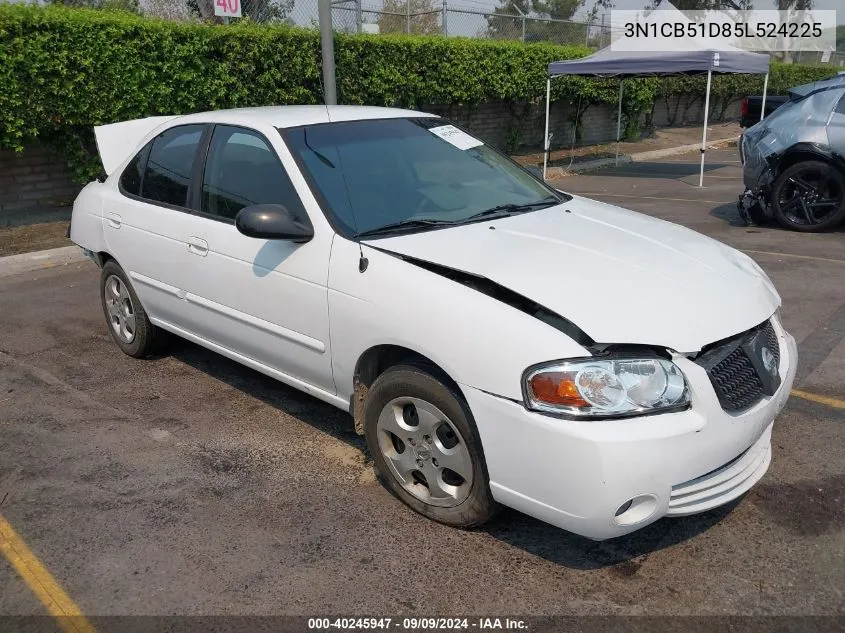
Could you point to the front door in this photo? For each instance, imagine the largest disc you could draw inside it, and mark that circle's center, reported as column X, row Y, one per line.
column 264, row 299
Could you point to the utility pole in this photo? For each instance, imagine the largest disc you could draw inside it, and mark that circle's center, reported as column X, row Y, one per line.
column 359, row 17
column 445, row 28
column 324, row 13
column 408, row 17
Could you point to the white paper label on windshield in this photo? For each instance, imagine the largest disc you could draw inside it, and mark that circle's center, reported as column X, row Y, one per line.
column 456, row 137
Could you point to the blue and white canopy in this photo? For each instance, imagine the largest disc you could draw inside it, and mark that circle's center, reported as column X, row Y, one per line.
column 642, row 56
column 639, row 56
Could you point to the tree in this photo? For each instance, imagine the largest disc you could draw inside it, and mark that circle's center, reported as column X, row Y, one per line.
column 423, row 17
column 507, row 21
column 709, row 5
column 502, row 26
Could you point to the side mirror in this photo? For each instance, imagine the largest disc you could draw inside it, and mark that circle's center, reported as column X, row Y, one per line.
column 273, row 222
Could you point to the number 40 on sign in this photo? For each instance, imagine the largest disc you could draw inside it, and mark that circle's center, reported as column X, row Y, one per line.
column 227, row 8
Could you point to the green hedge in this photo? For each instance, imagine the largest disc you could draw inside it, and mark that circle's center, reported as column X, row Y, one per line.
column 65, row 70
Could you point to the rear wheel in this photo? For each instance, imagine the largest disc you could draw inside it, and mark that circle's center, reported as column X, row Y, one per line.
column 425, row 447
column 128, row 323
column 809, row 196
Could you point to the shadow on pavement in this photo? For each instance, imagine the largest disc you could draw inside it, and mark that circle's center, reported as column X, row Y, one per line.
column 570, row 550
column 320, row 415
column 729, row 213
column 510, row 526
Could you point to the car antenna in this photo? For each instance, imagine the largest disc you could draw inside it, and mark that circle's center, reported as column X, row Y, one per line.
column 363, row 262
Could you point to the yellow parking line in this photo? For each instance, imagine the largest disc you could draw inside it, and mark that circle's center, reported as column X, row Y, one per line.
column 41, row 582
column 818, row 259
column 836, row 403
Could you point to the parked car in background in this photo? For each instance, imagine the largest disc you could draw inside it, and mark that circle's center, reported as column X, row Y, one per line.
column 495, row 340
column 793, row 162
column 750, row 108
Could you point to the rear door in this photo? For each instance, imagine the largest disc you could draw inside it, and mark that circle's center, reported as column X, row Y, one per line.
column 147, row 217
column 266, row 300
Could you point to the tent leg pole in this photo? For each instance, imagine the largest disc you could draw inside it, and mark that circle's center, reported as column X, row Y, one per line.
column 546, row 134
column 704, row 132
column 619, row 121
column 765, row 90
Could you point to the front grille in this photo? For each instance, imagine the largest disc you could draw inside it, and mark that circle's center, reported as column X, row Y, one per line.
column 772, row 340
column 735, row 378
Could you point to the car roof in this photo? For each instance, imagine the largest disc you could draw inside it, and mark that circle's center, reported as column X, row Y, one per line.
column 295, row 115
column 825, row 84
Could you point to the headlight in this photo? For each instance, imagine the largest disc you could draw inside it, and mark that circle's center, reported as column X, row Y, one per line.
column 606, row 388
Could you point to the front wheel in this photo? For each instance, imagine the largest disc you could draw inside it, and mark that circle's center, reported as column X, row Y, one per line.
column 809, row 196
column 425, row 447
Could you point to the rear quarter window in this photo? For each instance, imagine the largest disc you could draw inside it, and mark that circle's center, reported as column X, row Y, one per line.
column 171, row 161
column 130, row 180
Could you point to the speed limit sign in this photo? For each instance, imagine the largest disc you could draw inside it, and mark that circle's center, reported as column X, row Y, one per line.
column 227, row 8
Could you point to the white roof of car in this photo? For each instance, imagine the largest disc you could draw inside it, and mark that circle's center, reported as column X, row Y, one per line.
column 116, row 142
column 294, row 115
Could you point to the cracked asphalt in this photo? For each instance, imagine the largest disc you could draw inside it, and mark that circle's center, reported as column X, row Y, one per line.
column 187, row 484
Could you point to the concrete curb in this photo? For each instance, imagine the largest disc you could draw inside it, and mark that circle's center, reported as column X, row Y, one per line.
column 639, row 157
column 39, row 260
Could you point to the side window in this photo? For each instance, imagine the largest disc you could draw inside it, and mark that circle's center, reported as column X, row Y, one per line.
column 130, row 179
column 241, row 170
column 169, row 166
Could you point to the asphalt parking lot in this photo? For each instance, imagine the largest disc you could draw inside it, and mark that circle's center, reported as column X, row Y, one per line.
column 187, row 484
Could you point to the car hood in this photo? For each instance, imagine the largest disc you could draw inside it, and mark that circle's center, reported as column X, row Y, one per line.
column 620, row 276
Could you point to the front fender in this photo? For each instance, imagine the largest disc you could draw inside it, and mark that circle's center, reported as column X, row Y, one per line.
column 476, row 339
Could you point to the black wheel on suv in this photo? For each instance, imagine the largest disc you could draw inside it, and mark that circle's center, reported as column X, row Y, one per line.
column 809, row 196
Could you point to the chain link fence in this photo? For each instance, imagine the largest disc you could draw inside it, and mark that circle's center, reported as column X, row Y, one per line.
column 466, row 18
column 417, row 17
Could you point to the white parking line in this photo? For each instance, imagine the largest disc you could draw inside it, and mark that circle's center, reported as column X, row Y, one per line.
column 672, row 176
column 587, row 194
column 695, row 162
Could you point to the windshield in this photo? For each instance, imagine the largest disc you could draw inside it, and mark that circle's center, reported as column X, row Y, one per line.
column 389, row 175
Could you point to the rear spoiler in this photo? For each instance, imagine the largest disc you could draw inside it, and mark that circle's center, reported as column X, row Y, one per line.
column 118, row 141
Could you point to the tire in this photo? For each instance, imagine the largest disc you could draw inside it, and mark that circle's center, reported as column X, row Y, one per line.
column 126, row 318
column 410, row 401
column 809, row 196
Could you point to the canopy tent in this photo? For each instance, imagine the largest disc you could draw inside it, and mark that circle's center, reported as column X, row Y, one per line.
column 651, row 56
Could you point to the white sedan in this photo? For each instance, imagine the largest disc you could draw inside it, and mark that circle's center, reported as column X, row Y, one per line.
column 496, row 340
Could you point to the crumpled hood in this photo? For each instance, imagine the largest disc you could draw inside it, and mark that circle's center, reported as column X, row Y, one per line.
column 621, row 276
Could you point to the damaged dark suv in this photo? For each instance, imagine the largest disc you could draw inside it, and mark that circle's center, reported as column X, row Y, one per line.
column 793, row 162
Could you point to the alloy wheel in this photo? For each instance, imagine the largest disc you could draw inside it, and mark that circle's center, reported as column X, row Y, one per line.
column 425, row 452
column 810, row 196
column 120, row 310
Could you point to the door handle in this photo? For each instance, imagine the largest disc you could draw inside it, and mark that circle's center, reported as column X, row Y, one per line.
column 114, row 219
column 197, row 246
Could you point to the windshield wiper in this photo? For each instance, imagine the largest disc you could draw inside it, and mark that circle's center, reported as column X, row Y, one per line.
column 504, row 210
column 405, row 224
